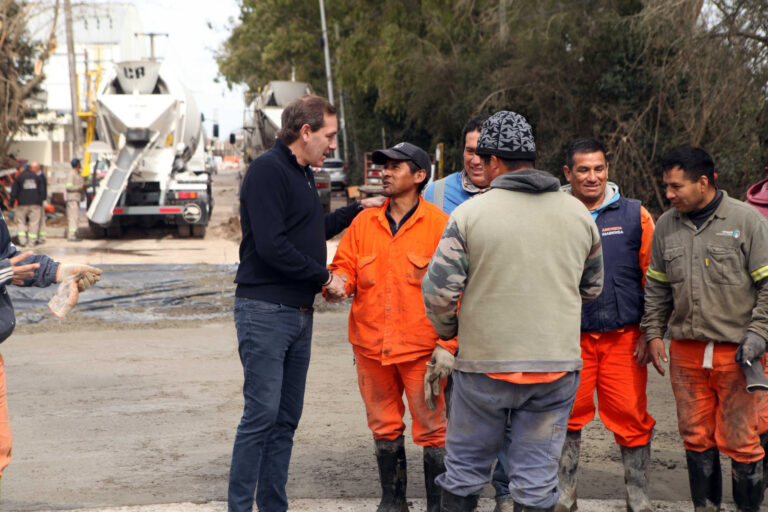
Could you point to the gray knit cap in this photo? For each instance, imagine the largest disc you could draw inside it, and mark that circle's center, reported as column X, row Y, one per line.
column 507, row 135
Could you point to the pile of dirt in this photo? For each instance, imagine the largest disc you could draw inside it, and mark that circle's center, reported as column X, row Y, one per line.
column 228, row 230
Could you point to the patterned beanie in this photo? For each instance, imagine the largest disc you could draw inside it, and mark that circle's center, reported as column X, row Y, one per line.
column 507, row 135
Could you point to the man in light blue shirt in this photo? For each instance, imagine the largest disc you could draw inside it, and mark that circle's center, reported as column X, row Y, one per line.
column 449, row 192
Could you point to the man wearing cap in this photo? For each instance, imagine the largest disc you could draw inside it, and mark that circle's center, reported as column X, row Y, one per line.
column 707, row 284
column 449, row 192
column 522, row 258
column 282, row 267
column 383, row 257
column 27, row 192
column 75, row 184
column 611, row 341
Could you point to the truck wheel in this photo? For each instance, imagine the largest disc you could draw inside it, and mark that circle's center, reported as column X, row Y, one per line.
column 115, row 229
column 198, row 230
column 97, row 231
column 183, row 230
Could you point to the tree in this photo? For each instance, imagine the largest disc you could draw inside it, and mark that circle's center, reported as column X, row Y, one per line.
column 21, row 67
column 643, row 75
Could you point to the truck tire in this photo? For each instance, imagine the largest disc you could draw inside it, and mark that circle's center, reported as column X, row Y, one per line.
column 198, row 230
column 97, row 231
column 115, row 229
column 183, row 230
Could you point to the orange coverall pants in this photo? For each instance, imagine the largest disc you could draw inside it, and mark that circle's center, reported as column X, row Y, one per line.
column 714, row 409
column 382, row 386
column 610, row 368
column 5, row 424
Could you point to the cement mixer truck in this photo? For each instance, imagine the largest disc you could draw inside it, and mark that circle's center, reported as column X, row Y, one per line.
column 155, row 168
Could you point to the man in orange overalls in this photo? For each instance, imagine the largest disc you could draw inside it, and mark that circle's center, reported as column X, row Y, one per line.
column 383, row 257
column 611, row 340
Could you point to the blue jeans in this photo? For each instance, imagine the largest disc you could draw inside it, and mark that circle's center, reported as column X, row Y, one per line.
column 274, row 346
column 537, row 417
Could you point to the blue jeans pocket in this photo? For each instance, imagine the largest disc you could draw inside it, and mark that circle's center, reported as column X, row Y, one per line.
column 556, row 441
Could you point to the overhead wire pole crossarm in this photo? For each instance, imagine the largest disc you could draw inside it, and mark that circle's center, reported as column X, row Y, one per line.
column 151, row 36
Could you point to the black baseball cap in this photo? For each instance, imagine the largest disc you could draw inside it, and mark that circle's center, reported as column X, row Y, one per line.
column 404, row 151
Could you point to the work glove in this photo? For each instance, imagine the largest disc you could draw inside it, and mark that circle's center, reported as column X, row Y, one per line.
column 72, row 280
column 752, row 346
column 439, row 367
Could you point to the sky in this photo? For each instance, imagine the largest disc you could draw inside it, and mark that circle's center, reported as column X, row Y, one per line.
column 189, row 50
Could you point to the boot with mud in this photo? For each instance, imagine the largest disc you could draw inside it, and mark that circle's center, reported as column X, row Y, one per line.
column 390, row 456
column 567, row 472
column 452, row 503
column 525, row 508
column 747, row 485
column 636, row 460
column 504, row 504
column 434, row 465
column 705, row 479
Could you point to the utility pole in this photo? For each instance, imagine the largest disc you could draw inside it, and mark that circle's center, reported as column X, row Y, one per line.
column 343, row 120
column 151, row 36
column 327, row 53
column 76, row 138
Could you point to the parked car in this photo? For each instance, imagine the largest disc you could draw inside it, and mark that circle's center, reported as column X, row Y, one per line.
column 337, row 171
column 323, row 183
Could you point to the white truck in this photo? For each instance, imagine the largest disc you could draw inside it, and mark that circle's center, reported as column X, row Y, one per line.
column 155, row 170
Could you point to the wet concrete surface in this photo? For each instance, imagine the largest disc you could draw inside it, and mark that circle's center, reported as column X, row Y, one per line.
column 141, row 294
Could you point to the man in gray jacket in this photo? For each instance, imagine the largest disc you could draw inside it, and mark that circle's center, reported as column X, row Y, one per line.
column 522, row 258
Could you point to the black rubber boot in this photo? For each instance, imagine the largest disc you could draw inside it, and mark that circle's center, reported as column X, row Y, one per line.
column 526, row 508
column 705, row 479
column 764, row 444
column 636, row 461
column 747, row 485
column 453, row 503
column 392, row 472
column 434, row 465
column 567, row 472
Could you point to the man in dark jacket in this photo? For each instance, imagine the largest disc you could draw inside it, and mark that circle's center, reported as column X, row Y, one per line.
column 28, row 190
column 25, row 269
column 282, row 267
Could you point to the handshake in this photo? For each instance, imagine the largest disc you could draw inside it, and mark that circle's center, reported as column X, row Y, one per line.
column 335, row 290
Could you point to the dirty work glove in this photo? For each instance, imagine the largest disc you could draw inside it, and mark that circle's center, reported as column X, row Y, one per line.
column 752, row 346
column 72, row 280
column 439, row 367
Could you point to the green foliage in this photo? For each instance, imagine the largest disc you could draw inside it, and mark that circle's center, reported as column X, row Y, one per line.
column 643, row 75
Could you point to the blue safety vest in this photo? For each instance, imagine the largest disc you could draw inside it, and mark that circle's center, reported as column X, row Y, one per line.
column 622, row 300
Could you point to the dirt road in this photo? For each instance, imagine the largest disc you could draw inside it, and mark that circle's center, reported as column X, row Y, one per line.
column 138, row 403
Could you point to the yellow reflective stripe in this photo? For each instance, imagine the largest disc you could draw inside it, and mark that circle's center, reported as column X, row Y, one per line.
column 759, row 273
column 656, row 275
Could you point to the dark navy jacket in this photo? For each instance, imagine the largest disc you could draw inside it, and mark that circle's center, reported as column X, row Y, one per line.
column 44, row 276
column 621, row 302
column 283, row 253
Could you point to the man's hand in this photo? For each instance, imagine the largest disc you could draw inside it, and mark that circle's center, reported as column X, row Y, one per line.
column 72, row 280
column 752, row 346
column 21, row 272
column 657, row 354
column 373, row 202
column 336, row 289
column 641, row 351
column 439, row 367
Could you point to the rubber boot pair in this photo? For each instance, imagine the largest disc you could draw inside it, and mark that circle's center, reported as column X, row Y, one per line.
column 705, row 479
column 390, row 456
column 635, row 459
column 747, row 485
